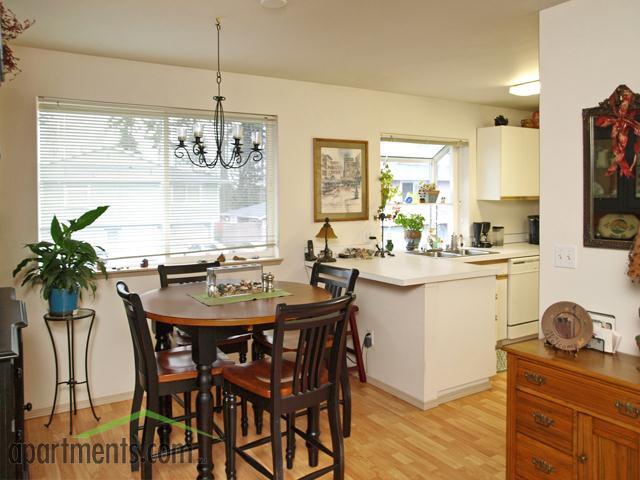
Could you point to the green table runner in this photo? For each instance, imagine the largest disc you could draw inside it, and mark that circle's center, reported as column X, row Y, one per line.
column 214, row 301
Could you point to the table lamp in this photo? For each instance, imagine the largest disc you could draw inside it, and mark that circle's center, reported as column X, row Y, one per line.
column 326, row 232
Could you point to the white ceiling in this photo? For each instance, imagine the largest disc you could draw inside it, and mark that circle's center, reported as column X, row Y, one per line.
column 461, row 49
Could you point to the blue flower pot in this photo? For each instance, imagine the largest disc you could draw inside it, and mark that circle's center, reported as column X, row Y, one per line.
column 63, row 302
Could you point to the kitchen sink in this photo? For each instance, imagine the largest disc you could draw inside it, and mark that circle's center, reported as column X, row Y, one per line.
column 463, row 252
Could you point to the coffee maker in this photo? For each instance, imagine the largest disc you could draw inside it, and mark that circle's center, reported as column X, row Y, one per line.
column 480, row 230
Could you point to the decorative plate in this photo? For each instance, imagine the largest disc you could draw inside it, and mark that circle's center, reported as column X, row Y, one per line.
column 567, row 326
column 618, row 225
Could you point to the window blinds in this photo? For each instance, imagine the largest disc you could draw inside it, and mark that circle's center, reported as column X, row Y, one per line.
column 92, row 154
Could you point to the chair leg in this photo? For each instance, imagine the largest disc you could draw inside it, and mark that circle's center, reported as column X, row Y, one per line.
column 188, row 434
column 291, row 440
column 244, row 349
column 148, row 433
column 230, row 433
column 257, row 419
column 357, row 346
column 337, row 446
column 313, row 431
column 345, row 386
column 276, row 446
column 244, row 418
column 133, row 427
column 218, row 402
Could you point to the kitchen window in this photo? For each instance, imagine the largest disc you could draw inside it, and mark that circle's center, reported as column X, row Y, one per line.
column 413, row 162
column 92, row 154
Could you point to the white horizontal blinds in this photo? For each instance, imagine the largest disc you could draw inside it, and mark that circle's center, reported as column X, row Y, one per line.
column 123, row 156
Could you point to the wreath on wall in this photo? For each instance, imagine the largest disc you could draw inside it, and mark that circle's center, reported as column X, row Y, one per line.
column 10, row 29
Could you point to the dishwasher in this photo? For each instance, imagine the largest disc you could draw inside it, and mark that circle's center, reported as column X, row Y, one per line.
column 523, row 297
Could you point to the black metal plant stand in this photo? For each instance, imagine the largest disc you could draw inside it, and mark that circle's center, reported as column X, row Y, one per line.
column 79, row 314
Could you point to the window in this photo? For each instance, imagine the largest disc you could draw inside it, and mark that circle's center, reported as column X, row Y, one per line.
column 92, row 154
column 412, row 163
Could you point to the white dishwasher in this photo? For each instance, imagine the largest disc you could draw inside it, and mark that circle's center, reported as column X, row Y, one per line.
column 522, row 298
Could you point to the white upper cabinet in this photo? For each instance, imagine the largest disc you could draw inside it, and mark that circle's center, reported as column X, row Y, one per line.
column 507, row 163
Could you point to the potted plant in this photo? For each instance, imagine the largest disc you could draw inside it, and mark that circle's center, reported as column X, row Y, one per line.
column 64, row 267
column 387, row 189
column 428, row 192
column 413, row 225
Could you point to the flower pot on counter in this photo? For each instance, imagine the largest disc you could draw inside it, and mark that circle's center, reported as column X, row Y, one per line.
column 412, row 237
column 432, row 197
column 63, row 302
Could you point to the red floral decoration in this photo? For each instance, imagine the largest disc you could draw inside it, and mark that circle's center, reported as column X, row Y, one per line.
column 622, row 120
column 11, row 29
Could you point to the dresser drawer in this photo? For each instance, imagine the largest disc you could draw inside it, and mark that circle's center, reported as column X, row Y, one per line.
column 545, row 421
column 535, row 461
column 617, row 404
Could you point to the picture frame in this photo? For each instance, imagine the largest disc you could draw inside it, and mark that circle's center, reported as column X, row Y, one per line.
column 340, row 179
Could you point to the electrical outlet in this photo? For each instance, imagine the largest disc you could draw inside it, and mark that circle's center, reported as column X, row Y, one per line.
column 368, row 339
column 566, row 256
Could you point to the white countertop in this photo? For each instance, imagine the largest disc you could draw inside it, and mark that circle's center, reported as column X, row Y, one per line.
column 406, row 269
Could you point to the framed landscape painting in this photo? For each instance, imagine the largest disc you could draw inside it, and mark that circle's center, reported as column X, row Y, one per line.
column 340, row 179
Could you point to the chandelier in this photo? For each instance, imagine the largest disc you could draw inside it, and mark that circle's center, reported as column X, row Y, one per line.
column 197, row 153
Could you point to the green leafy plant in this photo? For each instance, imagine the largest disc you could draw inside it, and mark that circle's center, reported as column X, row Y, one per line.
column 426, row 188
column 387, row 189
column 413, row 222
column 65, row 263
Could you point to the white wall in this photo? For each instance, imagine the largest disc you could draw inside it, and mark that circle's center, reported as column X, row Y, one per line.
column 586, row 51
column 304, row 110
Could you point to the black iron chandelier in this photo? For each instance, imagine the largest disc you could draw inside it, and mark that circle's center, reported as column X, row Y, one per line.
column 197, row 153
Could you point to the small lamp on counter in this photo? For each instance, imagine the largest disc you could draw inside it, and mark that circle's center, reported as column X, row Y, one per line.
column 326, row 232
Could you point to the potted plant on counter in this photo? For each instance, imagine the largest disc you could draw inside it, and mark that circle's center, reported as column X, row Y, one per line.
column 413, row 225
column 65, row 266
column 428, row 192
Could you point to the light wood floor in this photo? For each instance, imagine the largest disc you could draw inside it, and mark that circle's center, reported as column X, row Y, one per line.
column 462, row 440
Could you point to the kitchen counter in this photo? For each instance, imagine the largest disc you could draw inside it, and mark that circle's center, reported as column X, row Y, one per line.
column 506, row 252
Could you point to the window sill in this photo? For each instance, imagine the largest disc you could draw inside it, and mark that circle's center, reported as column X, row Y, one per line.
column 153, row 269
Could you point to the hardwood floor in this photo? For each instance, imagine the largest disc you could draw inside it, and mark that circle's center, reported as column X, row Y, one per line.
column 462, row 440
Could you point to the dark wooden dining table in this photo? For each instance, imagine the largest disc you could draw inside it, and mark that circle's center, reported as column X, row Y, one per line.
column 206, row 325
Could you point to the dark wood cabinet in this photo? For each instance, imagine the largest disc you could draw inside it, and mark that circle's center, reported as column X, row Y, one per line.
column 13, row 319
column 572, row 417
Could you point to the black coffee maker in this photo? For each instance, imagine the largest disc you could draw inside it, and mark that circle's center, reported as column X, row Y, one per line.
column 480, row 230
column 534, row 229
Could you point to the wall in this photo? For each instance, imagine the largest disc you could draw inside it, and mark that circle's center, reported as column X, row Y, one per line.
column 585, row 53
column 304, row 110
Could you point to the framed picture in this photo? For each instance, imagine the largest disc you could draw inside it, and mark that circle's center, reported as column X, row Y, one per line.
column 340, row 182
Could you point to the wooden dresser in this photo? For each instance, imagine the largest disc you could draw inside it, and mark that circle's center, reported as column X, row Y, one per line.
column 572, row 417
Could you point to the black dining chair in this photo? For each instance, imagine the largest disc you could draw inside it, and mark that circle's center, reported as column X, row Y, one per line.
column 308, row 377
column 196, row 272
column 337, row 281
column 159, row 374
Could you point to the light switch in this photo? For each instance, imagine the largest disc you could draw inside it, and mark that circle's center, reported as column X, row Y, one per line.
column 566, row 256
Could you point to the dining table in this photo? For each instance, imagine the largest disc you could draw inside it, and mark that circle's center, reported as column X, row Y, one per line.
column 174, row 306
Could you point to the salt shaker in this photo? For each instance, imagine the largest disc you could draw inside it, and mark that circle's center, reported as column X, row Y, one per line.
column 211, row 281
column 269, row 282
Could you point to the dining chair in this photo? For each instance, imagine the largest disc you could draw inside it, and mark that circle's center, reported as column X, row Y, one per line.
column 308, row 377
column 337, row 281
column 158, row 374
column 196, row 272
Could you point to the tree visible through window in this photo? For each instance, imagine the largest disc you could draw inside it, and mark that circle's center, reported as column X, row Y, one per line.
column 103, row 154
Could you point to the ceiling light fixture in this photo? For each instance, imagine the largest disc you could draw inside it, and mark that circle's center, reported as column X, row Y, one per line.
column 198, row 147
column 525, row 89
column 273, row 3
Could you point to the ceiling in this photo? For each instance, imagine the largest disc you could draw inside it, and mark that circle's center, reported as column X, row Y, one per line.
column 469, row 50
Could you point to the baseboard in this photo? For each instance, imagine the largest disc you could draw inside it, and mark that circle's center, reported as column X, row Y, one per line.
column 64, row 407
column 443, row 396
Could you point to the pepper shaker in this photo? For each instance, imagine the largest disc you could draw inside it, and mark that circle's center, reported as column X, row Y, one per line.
column 211, row 281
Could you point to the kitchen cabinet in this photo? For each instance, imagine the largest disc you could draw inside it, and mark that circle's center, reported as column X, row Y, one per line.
column 502, row 292
column 508, row 163
column 572, row 417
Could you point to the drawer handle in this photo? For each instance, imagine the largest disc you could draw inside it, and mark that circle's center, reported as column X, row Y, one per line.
column 543, row 466
column 627, row 409
column 534, row 378
column 583, row 458
column 542, row 419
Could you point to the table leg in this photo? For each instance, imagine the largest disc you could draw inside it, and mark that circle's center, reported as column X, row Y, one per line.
column 86, row 368
column 72, row 385
column 204, row 354
column 163, row 342
column 55, row 359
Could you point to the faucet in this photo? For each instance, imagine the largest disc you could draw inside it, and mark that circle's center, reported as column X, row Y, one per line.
column 454, row 246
